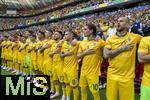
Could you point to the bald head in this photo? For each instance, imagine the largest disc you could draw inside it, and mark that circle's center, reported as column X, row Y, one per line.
column 123, row 24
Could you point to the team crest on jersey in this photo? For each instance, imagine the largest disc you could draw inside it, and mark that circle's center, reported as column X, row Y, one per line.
column 129, row 39
column 95, row 86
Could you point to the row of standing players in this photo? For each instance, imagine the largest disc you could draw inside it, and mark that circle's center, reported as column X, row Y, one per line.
column 59, row 57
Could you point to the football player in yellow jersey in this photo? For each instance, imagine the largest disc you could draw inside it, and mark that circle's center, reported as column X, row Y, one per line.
column 69, row 53
column 40, row 55
column 90, row 51
column 144, row 57
column 14, row 54
column 10, row 45
column 9, row 53
column 46, row 48
column 19, row 54
column 4, row 51
column 37, row 46
column 9, row 56
column 31, row 52
column 57, row 64
column 19, row 43
column 23, row 53
column 120, row 49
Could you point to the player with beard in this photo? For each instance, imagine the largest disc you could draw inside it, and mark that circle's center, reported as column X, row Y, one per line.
column 57, row 65
column 69, row 53
column 120, row 49
column 46, row 48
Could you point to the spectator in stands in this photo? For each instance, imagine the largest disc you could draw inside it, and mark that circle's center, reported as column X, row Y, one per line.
column 112, row 29
column 146, row 28
column 104, row 28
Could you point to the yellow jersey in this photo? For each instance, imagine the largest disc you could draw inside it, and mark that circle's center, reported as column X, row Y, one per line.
column 3, row 50
column 48, row 59
column 23, row 54
column 32, row 54
column 70, row 62
column 28, row 40
column 91, row 63
column 19, row 53
column 40, row 56
column 144, row 47
column 9, row 50
column 15, row 51
column 39, row 44
column 57, row 60
column 122, row 66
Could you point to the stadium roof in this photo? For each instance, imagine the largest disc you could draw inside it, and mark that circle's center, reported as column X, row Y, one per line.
column 25, row 4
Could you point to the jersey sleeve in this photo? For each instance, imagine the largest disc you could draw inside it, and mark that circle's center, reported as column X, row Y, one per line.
column 108, row 43
column 143, row 46
column 80, row 48
column 100, row 44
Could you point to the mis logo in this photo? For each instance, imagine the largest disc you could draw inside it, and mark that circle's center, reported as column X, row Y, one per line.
column 18, row 86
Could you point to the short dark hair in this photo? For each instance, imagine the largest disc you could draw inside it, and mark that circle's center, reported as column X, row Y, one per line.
column 73, row 33
column 42, row 33
column 31, row 32
column 33, row 35
column 50, row 31
column 60, row 32
column 92, row 27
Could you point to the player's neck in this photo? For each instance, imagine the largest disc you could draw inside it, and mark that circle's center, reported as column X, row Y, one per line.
column 58, row 40
column 34, row 41
column 91, row 37
column 122, row 33
column 70, row 40
column 41, row 39
column 49, row 38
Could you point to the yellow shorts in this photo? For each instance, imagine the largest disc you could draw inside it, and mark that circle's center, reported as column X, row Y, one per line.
column 71, row 78
column 89, row 80
column 57, row 75
column 15, row 63
column 10, row 64
column 44, row 68
column 47, row 68
column 34, row 64
column 124, row 90
column 23, row 63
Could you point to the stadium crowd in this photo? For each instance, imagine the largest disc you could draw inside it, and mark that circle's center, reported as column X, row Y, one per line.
column 9, row 23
